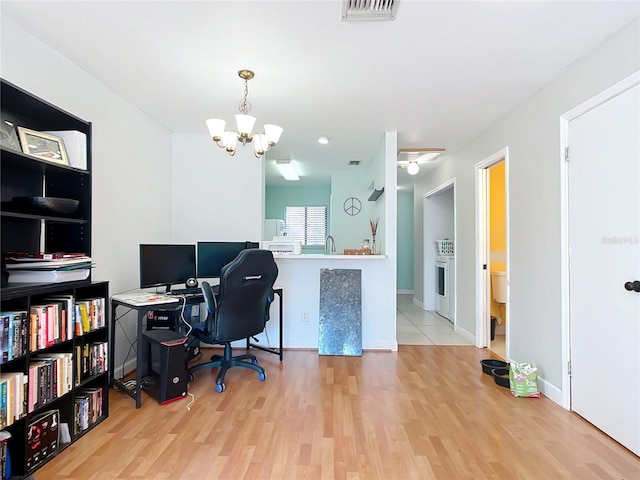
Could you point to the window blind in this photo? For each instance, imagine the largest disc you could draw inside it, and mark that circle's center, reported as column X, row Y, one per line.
column 307, row 224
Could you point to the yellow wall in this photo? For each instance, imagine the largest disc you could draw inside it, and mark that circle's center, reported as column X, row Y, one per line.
column 497, row 214
column 497, row 227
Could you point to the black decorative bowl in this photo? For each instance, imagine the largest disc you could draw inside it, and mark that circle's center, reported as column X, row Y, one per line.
column 501, row 377
column 491, row 363
column 46, row 205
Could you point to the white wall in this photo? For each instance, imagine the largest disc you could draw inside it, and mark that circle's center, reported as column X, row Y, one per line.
column 215, row 197
column 131, row 159
column 532, row 133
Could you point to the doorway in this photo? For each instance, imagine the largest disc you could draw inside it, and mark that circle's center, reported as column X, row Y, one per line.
column 492, row 248
column 439, row 214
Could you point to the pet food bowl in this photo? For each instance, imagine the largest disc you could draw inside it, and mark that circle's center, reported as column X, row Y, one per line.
column 489, row 364
column 501, row 376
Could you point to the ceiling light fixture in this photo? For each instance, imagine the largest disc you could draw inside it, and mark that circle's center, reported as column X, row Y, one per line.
column 262, row 142
column 287, row 170
column 413, row 167
column 323, row 140
column 411, row 158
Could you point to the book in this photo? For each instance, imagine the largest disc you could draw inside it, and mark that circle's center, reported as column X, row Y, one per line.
column 48, row 276
column 84, row 306
column 68, row 314
column 65, row 370
column 23, row 256
column 5, row 339
column 42, row 438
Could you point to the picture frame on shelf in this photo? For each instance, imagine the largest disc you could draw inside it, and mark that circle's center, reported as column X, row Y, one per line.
column 8, row 136
column 43, row 146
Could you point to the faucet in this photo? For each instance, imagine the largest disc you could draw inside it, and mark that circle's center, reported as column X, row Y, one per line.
column 326, row 244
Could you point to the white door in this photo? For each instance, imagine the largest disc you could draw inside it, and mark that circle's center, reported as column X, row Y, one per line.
column 604, row 254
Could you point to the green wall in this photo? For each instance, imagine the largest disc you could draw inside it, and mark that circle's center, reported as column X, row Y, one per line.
column 405, row 242
column 277, row 198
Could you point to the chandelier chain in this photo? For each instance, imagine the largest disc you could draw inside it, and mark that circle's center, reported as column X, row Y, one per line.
column 245, row 105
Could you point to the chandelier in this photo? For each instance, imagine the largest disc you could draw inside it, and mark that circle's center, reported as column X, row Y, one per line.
column 228, row 139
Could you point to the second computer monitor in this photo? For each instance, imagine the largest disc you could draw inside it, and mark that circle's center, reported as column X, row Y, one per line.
column 212, row 256
column 166, row 264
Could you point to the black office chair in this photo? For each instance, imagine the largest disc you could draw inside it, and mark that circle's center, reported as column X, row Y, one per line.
column 239, row 311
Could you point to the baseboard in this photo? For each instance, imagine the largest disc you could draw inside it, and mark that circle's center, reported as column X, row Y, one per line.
column 550, row 391
column 465, row 334
column 404, row 292
column 123, row 370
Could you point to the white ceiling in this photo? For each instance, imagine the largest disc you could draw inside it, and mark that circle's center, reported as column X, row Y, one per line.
column 439, row 74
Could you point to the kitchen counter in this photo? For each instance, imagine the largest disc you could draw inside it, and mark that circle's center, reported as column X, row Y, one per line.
column 320, row 256
column 299, row 275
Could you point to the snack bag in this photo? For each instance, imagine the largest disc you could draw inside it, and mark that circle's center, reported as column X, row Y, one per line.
column 523, row 379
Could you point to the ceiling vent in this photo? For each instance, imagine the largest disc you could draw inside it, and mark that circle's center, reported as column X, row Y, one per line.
column 358, row 10
column 354, row 162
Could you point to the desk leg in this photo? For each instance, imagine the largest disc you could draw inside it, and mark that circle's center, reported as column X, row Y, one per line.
column 141, row 314
column 279, row 351
column 112, row 343
column 137, row 393
column 279, row 293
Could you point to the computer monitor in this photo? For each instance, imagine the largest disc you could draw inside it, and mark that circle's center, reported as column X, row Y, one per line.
column 166, row 264
column 212, row 256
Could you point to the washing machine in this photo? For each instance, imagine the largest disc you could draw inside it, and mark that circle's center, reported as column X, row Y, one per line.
column 442, row 286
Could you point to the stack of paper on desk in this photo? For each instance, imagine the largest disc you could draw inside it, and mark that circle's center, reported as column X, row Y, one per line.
column 144, row 298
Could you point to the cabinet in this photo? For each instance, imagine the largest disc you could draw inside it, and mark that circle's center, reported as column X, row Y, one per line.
column 61, row 356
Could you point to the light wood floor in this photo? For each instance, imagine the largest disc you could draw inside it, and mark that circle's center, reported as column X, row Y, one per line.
column 422, row 412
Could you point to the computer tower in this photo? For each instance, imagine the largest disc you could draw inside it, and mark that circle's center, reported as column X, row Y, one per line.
column 170, row 320
column 166, row 362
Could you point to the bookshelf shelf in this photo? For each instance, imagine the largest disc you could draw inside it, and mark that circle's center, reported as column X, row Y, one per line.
column 62, row 364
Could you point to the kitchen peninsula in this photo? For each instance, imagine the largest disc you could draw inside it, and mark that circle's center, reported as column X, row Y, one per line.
column 299, row 275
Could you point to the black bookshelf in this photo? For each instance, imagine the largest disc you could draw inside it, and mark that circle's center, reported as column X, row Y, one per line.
column 23, row 175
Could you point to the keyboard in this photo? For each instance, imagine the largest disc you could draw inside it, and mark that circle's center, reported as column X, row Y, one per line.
column 186, row 291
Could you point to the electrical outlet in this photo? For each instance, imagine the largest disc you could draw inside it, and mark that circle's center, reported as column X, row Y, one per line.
column 305, row 316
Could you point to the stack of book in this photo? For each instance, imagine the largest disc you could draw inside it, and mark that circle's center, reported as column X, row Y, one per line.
column 47, row 267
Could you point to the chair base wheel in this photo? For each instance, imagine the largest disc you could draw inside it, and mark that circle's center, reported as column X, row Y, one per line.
column 220, row 387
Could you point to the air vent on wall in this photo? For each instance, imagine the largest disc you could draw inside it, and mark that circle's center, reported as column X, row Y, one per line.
column 354, row 162
column 358, row 10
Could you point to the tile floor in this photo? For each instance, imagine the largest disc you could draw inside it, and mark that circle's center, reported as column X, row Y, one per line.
column 415, row 326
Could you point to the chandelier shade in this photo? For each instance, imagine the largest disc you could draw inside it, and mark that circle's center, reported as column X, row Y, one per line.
column 228, row 139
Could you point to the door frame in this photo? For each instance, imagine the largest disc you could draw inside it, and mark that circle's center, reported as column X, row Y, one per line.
column 595, row 101
column 483, row 275
column 428, row 250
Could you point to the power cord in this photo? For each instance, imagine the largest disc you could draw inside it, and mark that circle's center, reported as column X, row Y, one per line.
column 131, row 344
column 192, row 401
column 148, row 382
column 184, row 320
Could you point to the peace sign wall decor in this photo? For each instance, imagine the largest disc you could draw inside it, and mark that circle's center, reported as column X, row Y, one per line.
column 352, row 206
